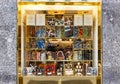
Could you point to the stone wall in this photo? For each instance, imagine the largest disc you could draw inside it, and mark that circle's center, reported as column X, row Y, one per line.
column 111, row 41
column 8, row 14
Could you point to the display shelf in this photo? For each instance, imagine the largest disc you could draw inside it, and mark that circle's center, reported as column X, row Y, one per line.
column 35, row 48
column 28, row 38
column 59, row 61
column 82, row 49
column 59, row 40
column 56, row 41
column 35, row 61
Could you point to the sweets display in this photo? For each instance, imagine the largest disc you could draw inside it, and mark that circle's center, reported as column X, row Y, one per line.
column 78, row 69
column 60, row 47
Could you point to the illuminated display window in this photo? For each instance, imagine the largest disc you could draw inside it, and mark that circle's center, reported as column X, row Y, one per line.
column 59, row 41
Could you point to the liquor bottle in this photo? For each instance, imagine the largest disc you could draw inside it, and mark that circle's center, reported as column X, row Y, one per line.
column 25, row 71
column 58, row 32
column 75, row 55
column 32, row 32
column 39, row 71
column 43, row 56
column 75, row 31
column 32, row 43
column 49, row 56
column 85, row 68
column 33, row 55
column 78, row 69
column 80, row 32
column 38, row 56
column 79, row 55
column 85, row 33
column 59, row 70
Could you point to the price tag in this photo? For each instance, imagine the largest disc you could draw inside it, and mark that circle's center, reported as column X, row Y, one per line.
column 39, row 73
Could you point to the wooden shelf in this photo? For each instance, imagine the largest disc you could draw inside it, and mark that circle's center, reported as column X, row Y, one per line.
column 36, row 37
column 35, row 49
column 60, row 45
column 82, row 49
column 64, row 35
column 59, row 60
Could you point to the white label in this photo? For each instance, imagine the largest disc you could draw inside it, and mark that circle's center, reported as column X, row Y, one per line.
column 39, row 73
column 40, row 19
column 58, row 73
column 78, row 20
column 30, row 19
column 69, row 72
column 49, row 73
column 88, row 20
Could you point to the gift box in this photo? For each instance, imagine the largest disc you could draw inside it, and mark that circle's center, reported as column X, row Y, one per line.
column 77, row 43
column 50, row 69
column 68, row 69
column 68, row 31
column 59, row 68
column 40, row 43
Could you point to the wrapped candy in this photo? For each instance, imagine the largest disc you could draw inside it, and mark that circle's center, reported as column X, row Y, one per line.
column 75, row 31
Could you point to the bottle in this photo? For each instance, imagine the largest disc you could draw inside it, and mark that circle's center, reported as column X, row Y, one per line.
column 38, row 56
column 75, row 56
column 85, row 68
column 79, row 55
column 43, row 56
column 25, row 71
